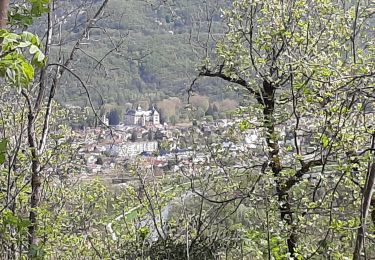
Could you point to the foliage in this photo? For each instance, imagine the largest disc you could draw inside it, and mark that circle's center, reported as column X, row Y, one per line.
column 3, row 150
column 14, row 66
column 150, row 63
column 23, row 14
column 308, row 67
column 285, row 178
column 113, row 118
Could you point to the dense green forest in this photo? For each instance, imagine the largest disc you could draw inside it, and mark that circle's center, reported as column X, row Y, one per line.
column 145, row 53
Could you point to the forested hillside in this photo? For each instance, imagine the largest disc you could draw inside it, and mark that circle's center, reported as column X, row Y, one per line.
column 144, row 53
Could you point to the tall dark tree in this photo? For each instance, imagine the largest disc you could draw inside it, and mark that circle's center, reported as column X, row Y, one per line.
column 113, row 118
column 303, row 75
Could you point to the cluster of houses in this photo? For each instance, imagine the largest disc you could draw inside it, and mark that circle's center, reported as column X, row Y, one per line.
column 103, row 149
column 143, row 138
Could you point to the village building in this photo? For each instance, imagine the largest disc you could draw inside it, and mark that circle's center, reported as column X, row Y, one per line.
column 129, row 149
column 142, row 117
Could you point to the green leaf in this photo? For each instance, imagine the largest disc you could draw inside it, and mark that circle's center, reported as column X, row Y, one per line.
column 131, row 215
column 28, row 71
column 40, row 56
column 29, row 37
column 3, row 150
column 24, row 44
column 10, row 74
column 33, row 49
column 325, row 141
column 244, row 125
column 39, row 7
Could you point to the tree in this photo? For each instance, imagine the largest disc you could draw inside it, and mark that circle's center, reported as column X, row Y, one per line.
column 200, row 102
column 113, row 118
column 306, row 77
column 227, row 105
column 209, row 111
column 168, row 108
column 35, row 131
column 4, row 5
column 215, row 109
column 173, row 120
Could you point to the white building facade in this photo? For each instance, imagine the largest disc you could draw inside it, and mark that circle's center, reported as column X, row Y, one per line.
column 141, row 117
column 129, row 149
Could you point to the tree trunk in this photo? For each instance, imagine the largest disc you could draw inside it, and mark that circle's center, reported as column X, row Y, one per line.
column 4, row 5
column 286, row 215
column 366, row 201
column 36, row 182
column 36, row 178
column 373, row 209
column 36, row 192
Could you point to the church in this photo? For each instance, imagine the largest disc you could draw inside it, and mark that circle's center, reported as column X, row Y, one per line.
column 142, row 117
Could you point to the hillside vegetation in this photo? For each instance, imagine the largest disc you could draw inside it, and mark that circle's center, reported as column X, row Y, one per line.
column 144, row 53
